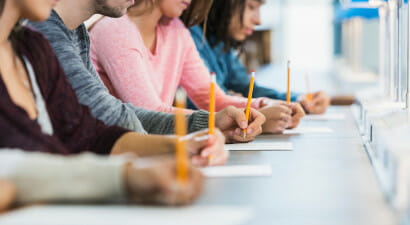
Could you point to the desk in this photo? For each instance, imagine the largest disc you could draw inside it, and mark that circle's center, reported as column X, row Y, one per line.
column 327, row 179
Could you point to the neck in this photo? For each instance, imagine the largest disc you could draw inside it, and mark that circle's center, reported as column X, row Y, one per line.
column 8, row 19
column 147, row 22
column 75, row 12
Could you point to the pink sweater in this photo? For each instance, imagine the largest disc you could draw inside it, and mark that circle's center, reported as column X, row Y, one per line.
column 133, row 74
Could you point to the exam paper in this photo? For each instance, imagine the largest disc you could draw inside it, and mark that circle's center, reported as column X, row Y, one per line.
column 260, row 146
column 308, row 130
column 127, row 215
column 237, row 171
column 327, row 116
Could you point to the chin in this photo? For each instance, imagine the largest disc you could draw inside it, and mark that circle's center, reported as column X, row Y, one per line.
column 240, row 38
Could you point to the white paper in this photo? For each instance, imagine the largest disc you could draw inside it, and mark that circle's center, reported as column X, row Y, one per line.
column 327, row 116
column 127, row 215
column 238, row 171
column 308, row 130
column 260, row 146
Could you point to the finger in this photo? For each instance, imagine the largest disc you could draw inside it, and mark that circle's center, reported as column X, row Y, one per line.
column 215, row 144
column 285, row 117
column 238, row 116
column 239, row 138
column 199, row 161
column 220, row 158
column 256, row 121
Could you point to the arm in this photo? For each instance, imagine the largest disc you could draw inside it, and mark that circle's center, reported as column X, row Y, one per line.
column 91, row 91
column 238, row 81
column 73, row 123
column 80, row 178
column 137, row 85
column 195, row 80
column 83, row 178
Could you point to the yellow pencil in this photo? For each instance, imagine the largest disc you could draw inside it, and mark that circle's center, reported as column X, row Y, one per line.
column 248, row 106
column 180, row 130
column 211, row 122
column 309, row 94
column 288, row 92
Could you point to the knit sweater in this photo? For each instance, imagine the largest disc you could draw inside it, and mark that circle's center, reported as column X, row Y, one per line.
column 73, row 51
column 75, row 129
column 135, row 75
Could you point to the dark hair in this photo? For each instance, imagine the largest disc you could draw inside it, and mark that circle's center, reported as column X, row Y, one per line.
column 219, row 20
column 193, row 15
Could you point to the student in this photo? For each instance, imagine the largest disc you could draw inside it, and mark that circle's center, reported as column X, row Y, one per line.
column 145, row 55
column 39, row 111
column 69, row 38
column 228, row 25
column 39, row 177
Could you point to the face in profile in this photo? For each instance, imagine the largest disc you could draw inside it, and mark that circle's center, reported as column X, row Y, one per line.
column 35, row 10
column 240, row 30
column 113, row 8
column 173, row 8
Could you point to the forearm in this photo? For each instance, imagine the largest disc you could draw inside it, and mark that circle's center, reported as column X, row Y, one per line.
column 42, row 177
column 144, row 145
column 163, row 123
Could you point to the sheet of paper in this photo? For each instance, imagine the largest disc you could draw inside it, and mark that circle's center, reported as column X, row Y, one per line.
column 327, row 116
column 127, row 215
column 308, row 130
column 238, row 171
column 260, row 146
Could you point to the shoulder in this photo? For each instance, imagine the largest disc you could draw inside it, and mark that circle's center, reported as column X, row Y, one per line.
column 108, row 26
column 196, row 32
column 53, row 26
column 175, row 27
column 32, row 40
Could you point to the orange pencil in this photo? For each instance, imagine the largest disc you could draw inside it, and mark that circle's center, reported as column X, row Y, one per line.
column 180, row 130
column 211, row 122
column 309, row 94
column 288, row 92
column 248, row 106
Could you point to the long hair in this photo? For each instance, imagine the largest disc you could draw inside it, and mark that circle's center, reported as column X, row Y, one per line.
column 193, row 15
column 218, row 22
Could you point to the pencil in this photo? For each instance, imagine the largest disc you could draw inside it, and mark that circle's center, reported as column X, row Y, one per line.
column 309, row 94
column 288, row 91
column 248, row 106
column 180, row 130
column 211, row 122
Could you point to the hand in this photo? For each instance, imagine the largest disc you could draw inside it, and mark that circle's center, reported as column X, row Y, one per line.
column 231, row 121
column 7, row 194
column 278, row 118
column 200, row 146
column 297, row 111
column 319, row 104
column 154, row 181
column 297, row 114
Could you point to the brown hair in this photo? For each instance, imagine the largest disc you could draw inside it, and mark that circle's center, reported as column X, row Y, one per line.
column 193, row 15
column 220, row 16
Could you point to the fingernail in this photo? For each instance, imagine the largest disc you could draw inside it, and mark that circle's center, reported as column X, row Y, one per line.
column 243, row 124
column 230, row 133
column 249, row 130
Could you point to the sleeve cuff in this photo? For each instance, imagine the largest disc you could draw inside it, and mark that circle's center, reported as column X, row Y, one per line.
column 198, row 121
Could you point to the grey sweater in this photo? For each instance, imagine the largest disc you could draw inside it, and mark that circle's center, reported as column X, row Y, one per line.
column 73, row 51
